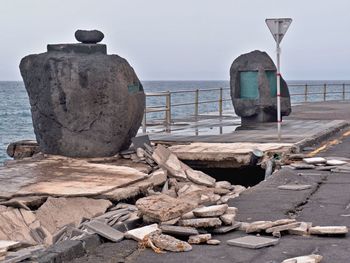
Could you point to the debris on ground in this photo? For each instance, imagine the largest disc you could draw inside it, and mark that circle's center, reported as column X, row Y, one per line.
column 304, row 259
column 170, row 208
column 253, row 242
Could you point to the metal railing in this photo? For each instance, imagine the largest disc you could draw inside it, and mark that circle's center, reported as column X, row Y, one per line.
column 304, row 92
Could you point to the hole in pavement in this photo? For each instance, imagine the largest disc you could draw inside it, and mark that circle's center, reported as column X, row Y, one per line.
column 246, row 176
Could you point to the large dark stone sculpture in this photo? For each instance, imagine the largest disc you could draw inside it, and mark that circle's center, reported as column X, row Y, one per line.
column 84, row 102
column 254, row 88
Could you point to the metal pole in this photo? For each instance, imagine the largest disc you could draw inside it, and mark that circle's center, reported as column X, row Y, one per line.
column 305, row 100
column 278, row 51
column 196, row 103
column 343, row 91
column 144, row 125
column 324, row 92
column 220, row 103
column 168, row 109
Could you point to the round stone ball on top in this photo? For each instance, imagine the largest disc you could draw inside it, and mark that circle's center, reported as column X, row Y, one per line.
column 89, row 36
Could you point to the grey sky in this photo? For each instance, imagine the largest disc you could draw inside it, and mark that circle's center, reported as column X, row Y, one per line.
column 184, row 39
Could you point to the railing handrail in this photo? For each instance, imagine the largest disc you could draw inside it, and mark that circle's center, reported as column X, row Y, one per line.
column 327, row 89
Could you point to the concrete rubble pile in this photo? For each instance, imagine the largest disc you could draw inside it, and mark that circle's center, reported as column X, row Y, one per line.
column 174, row 208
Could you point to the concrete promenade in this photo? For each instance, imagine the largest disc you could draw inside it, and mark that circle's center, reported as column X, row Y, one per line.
column 326, row 203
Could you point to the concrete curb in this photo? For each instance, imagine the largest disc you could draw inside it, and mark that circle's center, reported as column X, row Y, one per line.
column 320, row 137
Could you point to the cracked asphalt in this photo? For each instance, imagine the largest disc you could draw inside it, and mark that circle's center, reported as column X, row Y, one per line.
column 326, row 203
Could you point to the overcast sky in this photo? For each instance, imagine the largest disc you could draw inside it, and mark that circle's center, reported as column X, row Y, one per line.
column 184, row 39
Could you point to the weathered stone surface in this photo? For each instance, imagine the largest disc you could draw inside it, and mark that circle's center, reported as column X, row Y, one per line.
column 213, row 242
column 178, row 230
column 84, row 103
column 201, row 222
column 198, row 239
column 163, row 207
column 283, row 222
column 139, row 234
column 55, row 213
column 200, row 178
column 169, row 243
column 304, row 259
column 210, row 211
column 227, row 219
column 328, row 230
column 262, row 108
column 253, row 242
column 89, row 36
column 294, row 187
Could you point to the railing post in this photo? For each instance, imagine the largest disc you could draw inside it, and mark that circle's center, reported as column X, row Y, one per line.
column 305, row 93
column 144, row 124
column 324, row 92
column 168, row 108
column 196, row 104
column 220, row 103
column 343, row 91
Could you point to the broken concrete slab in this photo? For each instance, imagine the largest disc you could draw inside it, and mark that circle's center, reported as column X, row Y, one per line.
column 210, row 211
column 168, row 161
column 225, row 229
column 63, row 176
column 169, row 243
column 224, row 185
column 163, row 207
column 188, row 215
column 258, row 226
column 302, row 230
column 200, row 178
column 105, row 230
column 231, row 210
column 179, row 230
column 201, row 222
column 8, row 244
column 283, row 221
column 214, row 242
column 304, row 259
column 21, row 225
column 334, row 162
column 139, row 234
column 198, row 239
column 314, row 160
column 22, row 254
column 253, row 242
column 282, row 227
column 225, row 155
column 302, row 166
column 55, row 213
column 227, row 219
column 294, row 187
column 328, row 230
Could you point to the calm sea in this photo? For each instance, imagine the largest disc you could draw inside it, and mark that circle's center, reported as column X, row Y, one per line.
column 16, row 123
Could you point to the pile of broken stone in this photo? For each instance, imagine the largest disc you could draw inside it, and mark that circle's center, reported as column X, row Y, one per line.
column 177, row 208
column 174, row 202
